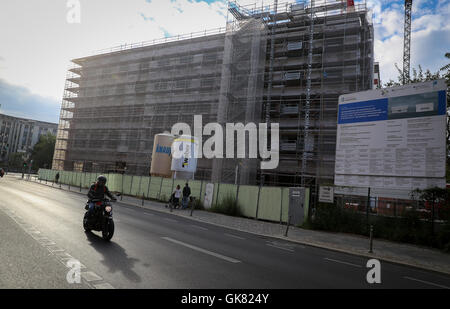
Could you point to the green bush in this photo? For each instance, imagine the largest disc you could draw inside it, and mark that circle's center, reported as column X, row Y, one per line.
column 409, row 228
column 228, row 206
column 198, row 204
column 332, row 218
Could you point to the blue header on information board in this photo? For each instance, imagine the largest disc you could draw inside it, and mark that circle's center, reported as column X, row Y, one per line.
column 374, row 110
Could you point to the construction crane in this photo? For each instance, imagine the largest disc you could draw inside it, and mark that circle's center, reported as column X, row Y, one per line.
column 407, row 42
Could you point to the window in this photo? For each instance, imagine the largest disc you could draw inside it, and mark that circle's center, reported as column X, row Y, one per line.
column 294, row 45
column 120, row 89
column 163, row 62
column 161, row 86
column 182, row 84
column 123, row 68
column 106, row 70
column 186, row 59
column 144, row 66
column 207, row 82
column 209, row 57
column 140, row 87
column 292, row 75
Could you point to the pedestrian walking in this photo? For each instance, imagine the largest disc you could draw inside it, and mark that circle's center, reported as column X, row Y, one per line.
column 186, row 194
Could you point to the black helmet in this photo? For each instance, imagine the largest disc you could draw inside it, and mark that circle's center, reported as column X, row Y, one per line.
column 101, row 179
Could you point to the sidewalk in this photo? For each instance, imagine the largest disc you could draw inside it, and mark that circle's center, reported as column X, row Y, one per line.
column 401, row 253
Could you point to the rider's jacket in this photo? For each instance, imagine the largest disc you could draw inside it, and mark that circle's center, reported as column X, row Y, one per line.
column 98, row 193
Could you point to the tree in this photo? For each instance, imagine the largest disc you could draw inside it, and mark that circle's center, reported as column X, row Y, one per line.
column 15, row 160
column 435, row 198
column 42, row 153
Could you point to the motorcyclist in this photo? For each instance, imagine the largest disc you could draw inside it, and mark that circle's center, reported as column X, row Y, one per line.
column 98, row 191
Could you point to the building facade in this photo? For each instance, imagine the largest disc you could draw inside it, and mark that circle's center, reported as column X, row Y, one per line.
column 20, row 134
column 285, row 65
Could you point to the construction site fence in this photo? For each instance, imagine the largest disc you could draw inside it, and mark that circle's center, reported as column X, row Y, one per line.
column 393, row 203
column 258, row 202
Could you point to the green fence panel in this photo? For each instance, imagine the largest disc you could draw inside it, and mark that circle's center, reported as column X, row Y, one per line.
column 195, row 186
column 63, row 177
column 126, row 184
column 166, row 189
column 224, row 191
column 248, row 198
column 53, row 175
column 269, row 204
column 306, row 203
column 144, row 186
column 116, row 182
column 285, row 207
column 180, row 182
column 91, row 179
column 87, row 180
column 77, row 179
column 273, row 202
column 135, row 189
column 155, row 183
column 202, row 197
column 69, row 178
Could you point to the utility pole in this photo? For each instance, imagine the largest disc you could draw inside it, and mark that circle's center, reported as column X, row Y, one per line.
column 407, row 42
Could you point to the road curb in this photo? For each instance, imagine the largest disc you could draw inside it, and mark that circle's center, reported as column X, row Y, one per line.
column 307, row 243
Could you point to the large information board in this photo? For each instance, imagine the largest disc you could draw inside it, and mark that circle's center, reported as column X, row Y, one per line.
column 392, row 138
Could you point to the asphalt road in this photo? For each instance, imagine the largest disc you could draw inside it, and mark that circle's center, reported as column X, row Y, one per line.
column 41, row 229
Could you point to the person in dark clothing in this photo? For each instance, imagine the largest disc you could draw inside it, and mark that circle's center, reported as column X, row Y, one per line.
column 57, row 177
column 98, row 191
column 186, row 194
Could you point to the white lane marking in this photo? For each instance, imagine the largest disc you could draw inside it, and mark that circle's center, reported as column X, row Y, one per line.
column 341, row 262
column 234, row 236
column 170, row 220
column 148, row 214
column 56, row 251
column 426, row 282
column 90, row 276
column 103, row 286
column 217, row 255
column 199, row 227
column 270, row 245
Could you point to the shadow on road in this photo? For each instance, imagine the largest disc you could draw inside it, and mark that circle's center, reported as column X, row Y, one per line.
column 114, row 256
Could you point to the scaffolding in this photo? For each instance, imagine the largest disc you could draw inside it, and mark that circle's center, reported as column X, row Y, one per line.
column 241, row 91
column 283, row 63
column 114, row 103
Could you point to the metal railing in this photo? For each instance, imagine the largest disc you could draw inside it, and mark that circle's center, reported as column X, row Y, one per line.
column 174, row 38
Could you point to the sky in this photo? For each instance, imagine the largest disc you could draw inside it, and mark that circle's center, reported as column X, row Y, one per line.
column 39, row 38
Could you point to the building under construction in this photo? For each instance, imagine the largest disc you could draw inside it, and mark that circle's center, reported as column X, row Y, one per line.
column 283, row 63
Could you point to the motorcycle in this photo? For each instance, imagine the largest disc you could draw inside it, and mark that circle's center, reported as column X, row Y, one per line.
column 101, row 218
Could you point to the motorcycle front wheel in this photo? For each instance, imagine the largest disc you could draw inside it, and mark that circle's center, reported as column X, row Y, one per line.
column 85, row 223
column 108, row 230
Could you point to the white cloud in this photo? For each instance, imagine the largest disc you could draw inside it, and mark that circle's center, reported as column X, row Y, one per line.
column 185, row 16
column 38, row 44
column 430, row 36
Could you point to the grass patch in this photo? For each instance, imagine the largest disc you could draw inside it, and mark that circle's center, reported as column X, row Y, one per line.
column 228, row 206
